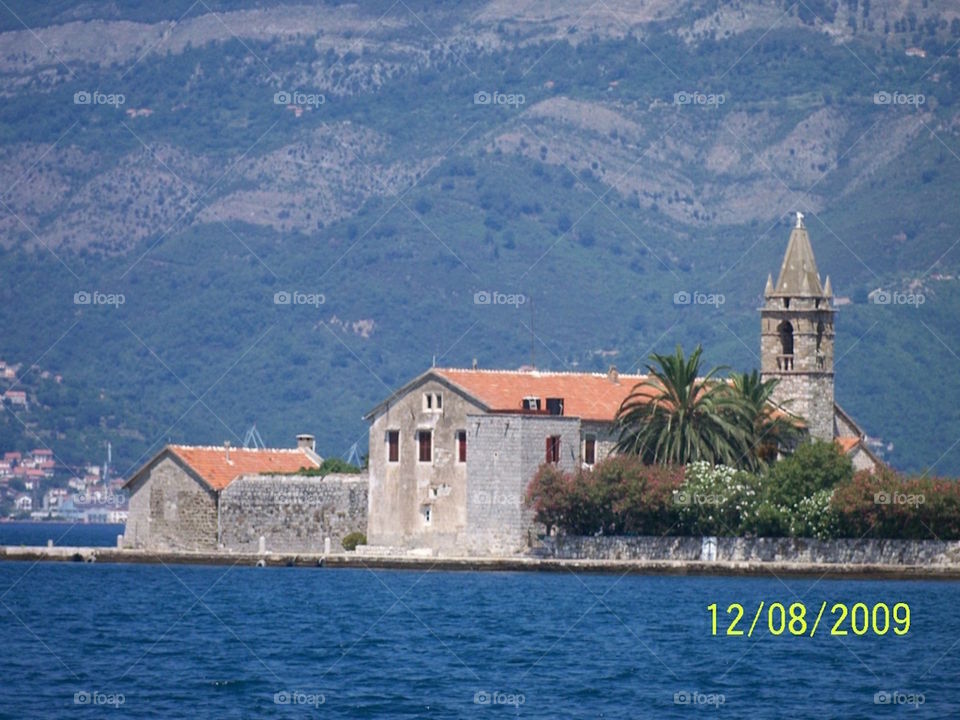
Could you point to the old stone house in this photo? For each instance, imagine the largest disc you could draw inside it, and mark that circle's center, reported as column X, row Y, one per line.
column 453, row 451
column 201, row 498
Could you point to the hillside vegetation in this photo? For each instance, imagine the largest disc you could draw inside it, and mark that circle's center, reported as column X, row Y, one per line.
column 388, row 161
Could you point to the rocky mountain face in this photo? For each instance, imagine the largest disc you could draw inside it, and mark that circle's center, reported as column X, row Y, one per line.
column 371, row 150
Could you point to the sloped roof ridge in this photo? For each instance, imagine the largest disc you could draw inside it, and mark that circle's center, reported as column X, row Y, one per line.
column 501, row 371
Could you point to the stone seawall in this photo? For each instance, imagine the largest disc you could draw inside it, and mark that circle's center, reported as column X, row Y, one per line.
column 730, row 549
column 292, row 513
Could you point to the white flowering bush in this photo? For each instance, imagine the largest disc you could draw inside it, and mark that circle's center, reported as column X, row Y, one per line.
column 814, row 516
column 716, row 499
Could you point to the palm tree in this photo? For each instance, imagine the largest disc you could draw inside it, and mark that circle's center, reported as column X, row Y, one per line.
column 773, row 429
column 676, row 416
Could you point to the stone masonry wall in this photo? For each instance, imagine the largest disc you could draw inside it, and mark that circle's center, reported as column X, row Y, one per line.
column 401, row 491
column 171, row 510
column 506, row 451
column 293, row 513
column 889, row 552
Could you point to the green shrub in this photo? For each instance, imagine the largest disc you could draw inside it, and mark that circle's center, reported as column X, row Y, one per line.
column 812, row 467
column 351, row 540
column 888, row 505
column 618, row 496
column 330, row 466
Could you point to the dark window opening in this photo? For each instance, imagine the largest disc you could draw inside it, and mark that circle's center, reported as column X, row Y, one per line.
column 590, row 450
column 425, row 444
column 553, row 449
column 461, row 446
column 555, row 406
column 393, row 446
column 786, row 338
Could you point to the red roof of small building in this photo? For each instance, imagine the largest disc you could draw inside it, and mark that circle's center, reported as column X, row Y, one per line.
column 847, row 443
column 217, row 471
column 589, row 396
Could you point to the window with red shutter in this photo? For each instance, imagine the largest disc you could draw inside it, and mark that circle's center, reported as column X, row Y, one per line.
column 553, row 449
column 393, row 446
column 590, row 450
column 426, row 445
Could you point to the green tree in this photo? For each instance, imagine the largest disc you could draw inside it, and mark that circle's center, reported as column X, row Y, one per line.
column 813, row 466
column 675, row 416
column 773, row 430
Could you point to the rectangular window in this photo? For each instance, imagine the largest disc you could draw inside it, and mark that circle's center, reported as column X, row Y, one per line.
column 553, row 449
column 425, row 444
column 393, row 446
column 427, row 401
column 590, row 449
column 461, row 446
column 439, row 398
column 425, row 513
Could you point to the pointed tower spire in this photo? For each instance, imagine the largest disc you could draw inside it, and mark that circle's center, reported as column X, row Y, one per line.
column 768, row 290
column 798, row 273
column 828, row 288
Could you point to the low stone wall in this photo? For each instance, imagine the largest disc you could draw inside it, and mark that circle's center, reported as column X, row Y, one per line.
column 292, row 513
column 728, row 549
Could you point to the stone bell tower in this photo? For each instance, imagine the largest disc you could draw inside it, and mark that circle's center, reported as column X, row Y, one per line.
column 796, row 336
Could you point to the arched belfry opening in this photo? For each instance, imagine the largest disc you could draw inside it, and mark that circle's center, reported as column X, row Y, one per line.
column 785, row 357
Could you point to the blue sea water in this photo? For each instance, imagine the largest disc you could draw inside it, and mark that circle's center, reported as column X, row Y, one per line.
column 62, row 533
column 237, row 641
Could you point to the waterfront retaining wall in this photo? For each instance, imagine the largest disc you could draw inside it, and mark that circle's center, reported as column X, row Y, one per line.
column 292, row 513
column 730, row 549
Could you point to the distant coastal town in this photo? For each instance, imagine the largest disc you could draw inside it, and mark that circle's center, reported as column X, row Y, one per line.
column 36, row 485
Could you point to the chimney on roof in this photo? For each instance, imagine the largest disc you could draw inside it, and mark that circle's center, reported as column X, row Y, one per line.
column 226, row 449
column 613, row 375
column 474, row 363
column 307, row 444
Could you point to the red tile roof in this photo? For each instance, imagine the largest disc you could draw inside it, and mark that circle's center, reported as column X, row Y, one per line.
column 847, row 443
column 589, row 396
column 211, row 463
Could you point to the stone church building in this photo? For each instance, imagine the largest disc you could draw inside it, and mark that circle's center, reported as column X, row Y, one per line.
column 452, row 451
